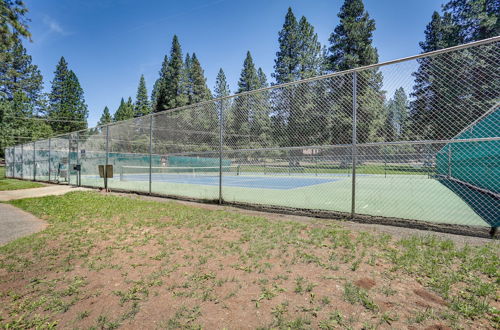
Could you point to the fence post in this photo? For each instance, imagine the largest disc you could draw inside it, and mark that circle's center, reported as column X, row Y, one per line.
column 150, row 151
column 49, row 158
column 449, row 161
column 354, row 141
column 22, row 161
column 106, row 163
column 34, row 161
column 221, row 123
column 79, row 172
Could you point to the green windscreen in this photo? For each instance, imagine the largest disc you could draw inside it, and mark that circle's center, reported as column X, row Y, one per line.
column 476, row 163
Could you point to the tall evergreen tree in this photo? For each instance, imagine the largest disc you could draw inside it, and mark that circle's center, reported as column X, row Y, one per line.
column 199, row 90
column 397, row 115
column 249, row 79
column 66, row 101
column 12, row 22
column 453, row 89
column 203, row 118
column 310, row 54
column 476, row 19
column 142, row 106
column 239, row 118
column 287, row 58
column 157, row 87
column 105, row 117
column 21, row 96
column 125, row 110
column 299, row 54
column 17, row 73
column 299, row 57
column 351, row 41
column 172, row 93
column 260, row 126
column 221, row 88
column 351, row 47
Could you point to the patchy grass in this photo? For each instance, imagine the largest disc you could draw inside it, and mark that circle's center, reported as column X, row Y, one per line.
column 107, row 261
column 12, row 184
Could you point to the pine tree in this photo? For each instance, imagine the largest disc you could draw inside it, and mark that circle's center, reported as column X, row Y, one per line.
column 173, row 90
column 66, row 101
column 260, row 126
column 17, row 73
column 351, row 47
column 397, row 115
column 249, row 79
column 21, row 96
column 105, row 117
column 203, row 118
column 287, row 58
column 199, row 89
column 188, row 81
column 299, row 57
column 142, row 106
column 351, row 41
column 300, row 53
column 240, row 116
column 452, row 90
column 157, row 87
column 476, row 19
column 310, row 55
column 12, row 22
column 221, row 88
column 125, row 110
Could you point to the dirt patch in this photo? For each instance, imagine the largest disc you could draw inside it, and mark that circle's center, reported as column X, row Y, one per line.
column 438, row 327
column 181, row 267
column 365, row 283
column 429, row 297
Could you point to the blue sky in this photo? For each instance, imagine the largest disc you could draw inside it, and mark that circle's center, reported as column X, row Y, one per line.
column 110, row 43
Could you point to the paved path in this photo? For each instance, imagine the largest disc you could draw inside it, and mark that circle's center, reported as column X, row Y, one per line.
column 15, row 223
column 37, row 192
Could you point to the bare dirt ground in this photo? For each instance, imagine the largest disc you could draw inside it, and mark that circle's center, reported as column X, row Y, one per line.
column 108, row 261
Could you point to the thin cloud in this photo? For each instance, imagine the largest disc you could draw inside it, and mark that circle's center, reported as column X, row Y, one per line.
column 54, row 26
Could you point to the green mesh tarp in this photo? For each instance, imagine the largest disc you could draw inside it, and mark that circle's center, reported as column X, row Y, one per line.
column 185, row 161
column 477, row 163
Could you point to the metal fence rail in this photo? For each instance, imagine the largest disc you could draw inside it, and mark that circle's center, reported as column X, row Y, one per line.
column 412, row 139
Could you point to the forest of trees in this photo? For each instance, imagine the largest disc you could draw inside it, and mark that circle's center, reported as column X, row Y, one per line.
column 312, row 113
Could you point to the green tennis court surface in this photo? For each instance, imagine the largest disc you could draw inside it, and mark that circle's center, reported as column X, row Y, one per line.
column 402, row 196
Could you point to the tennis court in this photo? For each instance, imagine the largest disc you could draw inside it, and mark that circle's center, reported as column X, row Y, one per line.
column 433, row 158
column 376, row 194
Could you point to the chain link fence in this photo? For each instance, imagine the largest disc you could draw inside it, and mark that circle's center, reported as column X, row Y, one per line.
column 411, row 141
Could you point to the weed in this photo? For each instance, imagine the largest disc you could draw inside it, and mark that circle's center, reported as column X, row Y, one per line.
column 356, row 295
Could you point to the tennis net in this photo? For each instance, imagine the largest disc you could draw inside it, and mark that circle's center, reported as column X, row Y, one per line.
column 131, row 173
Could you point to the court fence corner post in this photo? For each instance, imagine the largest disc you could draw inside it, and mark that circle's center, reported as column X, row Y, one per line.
column 107, row 159
column 150, row 151
column 34, row 161
column 22, row 161
column 221, row 124
column 354, row 150
column 49, row 157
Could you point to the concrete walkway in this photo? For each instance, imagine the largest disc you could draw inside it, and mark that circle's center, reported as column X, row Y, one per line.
column 48, row 190
column 15, row 223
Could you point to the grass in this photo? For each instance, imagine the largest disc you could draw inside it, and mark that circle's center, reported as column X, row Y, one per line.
column 108, row 261
column 12, row 184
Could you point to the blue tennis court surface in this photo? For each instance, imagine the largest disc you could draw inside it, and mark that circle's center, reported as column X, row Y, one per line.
column 270, row 182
